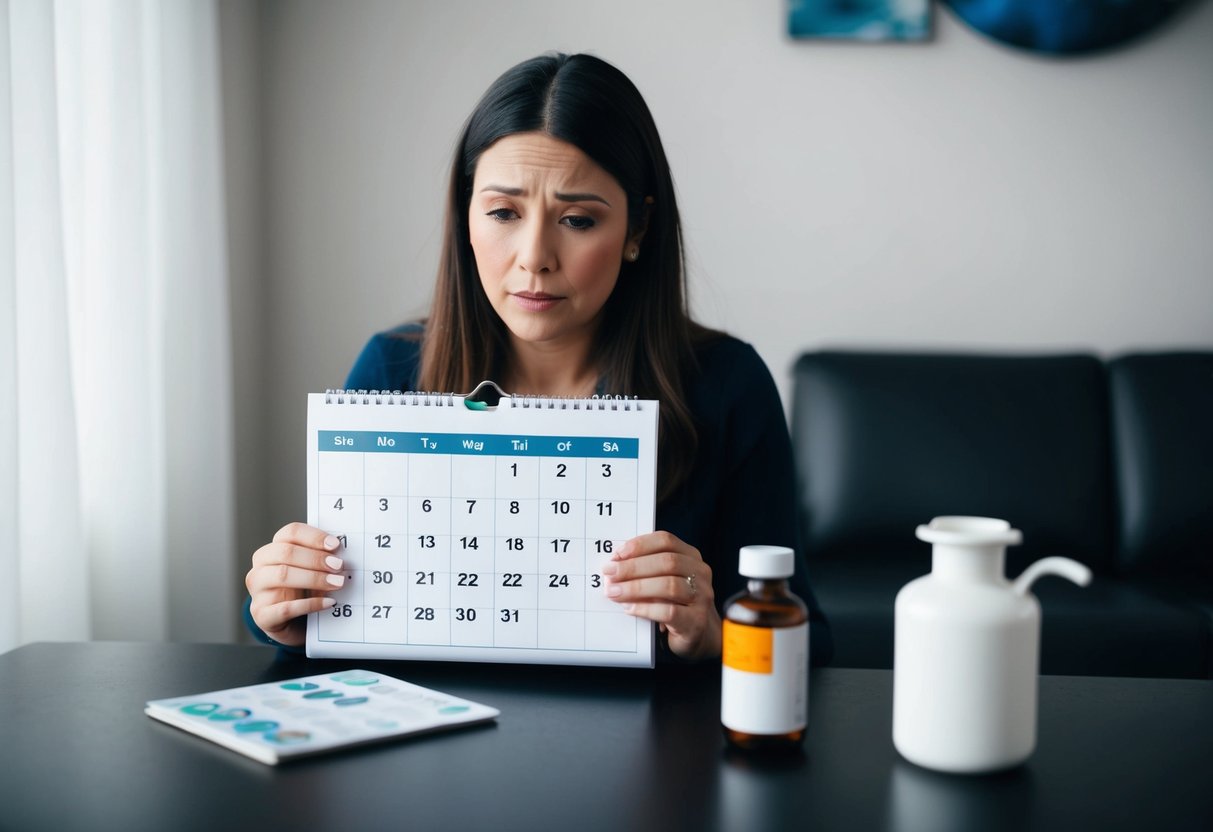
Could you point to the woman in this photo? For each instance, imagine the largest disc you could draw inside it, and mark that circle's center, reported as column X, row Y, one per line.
column 562, row 274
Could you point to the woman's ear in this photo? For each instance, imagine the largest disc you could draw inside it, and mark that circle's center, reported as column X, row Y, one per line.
column 631, row 248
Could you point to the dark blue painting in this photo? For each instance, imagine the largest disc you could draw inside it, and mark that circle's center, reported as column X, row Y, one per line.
column 1064, row 27
column 860, row 19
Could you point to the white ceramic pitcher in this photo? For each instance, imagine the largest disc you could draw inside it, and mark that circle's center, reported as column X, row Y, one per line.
column 966, row 650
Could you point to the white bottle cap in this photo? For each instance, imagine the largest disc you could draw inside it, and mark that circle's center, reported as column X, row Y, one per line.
column 767, row 562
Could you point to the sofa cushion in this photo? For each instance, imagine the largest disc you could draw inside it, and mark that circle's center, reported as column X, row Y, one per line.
column 857, row 599
column 1162, row 428
column 885, row 441
column 1112, row 627
column 1117, row 627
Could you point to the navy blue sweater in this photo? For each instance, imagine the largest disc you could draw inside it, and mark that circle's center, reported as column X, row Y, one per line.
column 741, row 489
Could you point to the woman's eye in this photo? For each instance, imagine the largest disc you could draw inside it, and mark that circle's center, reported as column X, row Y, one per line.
column 502, row 214
column 578, row 222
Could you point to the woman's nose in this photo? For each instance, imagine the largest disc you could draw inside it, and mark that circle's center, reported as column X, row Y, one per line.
column 537, row 250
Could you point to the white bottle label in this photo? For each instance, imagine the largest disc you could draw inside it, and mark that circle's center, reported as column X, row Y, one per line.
column 765, row 679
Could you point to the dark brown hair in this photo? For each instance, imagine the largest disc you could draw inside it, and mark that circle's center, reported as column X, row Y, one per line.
column 645, row 340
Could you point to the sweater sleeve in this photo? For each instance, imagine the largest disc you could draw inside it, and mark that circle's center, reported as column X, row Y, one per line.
column 756, row 501
column 259, row 633
column 763, row 488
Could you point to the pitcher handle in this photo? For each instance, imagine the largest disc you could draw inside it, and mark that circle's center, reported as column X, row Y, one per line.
column 1065, row 567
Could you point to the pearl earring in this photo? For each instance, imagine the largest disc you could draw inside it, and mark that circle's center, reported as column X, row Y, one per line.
column 634, row 253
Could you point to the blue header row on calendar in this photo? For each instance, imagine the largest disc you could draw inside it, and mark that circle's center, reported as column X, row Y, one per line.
column 366, row 441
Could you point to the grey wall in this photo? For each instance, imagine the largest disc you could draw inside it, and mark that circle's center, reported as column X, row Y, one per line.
column 953, row 194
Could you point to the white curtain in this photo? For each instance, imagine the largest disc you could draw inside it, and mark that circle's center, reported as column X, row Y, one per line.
column 116, row 465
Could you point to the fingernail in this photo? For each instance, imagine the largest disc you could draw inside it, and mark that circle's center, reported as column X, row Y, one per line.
column 609, row 568
column 333, row 563
column 335, row 580
column 624, row 550
column 614, row 590
column 328, row 601
column 331, row 543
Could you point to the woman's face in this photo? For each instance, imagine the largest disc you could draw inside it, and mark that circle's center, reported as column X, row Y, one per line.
column 548, row 230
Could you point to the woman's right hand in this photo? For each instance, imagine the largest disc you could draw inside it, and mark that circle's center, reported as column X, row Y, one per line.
column 290, row 578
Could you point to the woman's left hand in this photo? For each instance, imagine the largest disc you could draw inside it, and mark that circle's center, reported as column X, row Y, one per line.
column 661, row 578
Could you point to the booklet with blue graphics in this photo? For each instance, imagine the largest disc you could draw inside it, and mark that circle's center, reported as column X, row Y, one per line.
column 279, row 721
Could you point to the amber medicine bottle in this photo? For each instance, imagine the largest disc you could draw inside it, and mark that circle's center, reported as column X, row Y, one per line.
column 764, row 695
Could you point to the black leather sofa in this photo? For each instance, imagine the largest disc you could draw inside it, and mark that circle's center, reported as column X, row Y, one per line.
column 1110, row 463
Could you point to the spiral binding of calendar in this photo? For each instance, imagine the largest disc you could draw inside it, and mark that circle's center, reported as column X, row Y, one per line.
column 408, row 397
column 595, row 402
column 423, row 399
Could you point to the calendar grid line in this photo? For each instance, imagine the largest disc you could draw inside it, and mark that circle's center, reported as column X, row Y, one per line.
column 538, row 508
column 523, row 648
column 408, row 525
column 450, row 552
column 351, row 568
column 585, row 536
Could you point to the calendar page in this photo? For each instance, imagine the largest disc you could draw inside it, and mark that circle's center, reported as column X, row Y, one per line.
column 480, row 534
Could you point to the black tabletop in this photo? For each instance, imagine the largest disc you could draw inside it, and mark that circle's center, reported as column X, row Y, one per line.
column 575, row 749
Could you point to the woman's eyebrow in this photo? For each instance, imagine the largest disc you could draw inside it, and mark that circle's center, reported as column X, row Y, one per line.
column 582, row 198
column 563, row 197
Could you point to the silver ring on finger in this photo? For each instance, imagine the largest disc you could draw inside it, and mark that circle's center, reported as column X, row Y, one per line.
column 691, row 584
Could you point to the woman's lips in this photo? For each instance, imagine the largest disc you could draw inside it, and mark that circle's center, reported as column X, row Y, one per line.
column 535, row 301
